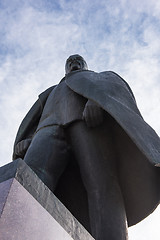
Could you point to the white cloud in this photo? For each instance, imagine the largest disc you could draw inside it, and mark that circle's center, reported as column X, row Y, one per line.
column 38, row 36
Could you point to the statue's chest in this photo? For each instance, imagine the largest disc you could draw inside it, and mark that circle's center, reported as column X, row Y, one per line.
column 63, row 105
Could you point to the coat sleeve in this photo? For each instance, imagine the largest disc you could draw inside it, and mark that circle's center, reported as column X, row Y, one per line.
column 31, row 120
column 28, row 125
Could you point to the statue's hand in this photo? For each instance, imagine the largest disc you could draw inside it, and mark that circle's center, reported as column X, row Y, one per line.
column 22, row 147
column 92, row 114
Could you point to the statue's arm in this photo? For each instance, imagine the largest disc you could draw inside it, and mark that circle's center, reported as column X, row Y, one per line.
column 26, row 130
column 29, row 125
column 22, row 147
column 92, row 114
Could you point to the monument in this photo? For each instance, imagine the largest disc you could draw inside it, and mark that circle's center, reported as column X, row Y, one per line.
column 87, row 141
column 29, row 210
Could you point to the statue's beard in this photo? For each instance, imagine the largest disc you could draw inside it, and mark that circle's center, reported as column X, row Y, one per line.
column 75, row 67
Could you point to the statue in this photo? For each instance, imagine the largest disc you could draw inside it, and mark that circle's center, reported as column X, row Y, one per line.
column 87, row 141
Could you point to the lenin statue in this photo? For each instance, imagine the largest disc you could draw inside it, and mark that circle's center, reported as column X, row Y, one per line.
column 87, row 141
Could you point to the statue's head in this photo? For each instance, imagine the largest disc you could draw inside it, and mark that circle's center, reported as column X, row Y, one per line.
column 75, row 62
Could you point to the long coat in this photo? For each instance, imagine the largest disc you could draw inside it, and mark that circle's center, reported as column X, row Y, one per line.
column 138, row 146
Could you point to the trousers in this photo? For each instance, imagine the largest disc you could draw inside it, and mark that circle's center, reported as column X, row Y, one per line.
column 94, row 151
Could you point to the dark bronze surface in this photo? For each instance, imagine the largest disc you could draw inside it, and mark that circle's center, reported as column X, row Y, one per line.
column 87, row 141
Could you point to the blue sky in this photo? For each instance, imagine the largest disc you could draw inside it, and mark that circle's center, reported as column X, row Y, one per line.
column 37, row 36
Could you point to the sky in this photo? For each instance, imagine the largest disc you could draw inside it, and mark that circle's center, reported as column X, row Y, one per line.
column 37, row 36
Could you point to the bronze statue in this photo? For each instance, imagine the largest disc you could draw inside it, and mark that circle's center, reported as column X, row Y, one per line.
column 87, row 141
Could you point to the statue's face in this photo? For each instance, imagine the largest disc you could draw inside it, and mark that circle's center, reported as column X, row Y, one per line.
column 75, row 62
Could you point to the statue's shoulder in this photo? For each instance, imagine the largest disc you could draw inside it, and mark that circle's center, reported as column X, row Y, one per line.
column 47, row 91
column 111, row 74
column 113, row 77
column 44, row 95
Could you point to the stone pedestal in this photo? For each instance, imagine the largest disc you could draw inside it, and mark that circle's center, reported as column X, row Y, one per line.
column 29, row 210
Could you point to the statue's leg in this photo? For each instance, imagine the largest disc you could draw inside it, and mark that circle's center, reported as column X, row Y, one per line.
column 94, row 151
column 48, row 155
